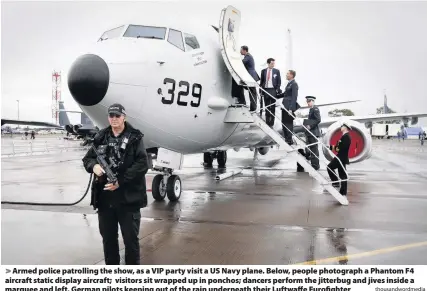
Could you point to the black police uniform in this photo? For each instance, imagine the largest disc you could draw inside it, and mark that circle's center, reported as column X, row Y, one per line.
column 290, row 96
column 128, row 157
column 342, row 147
column 313, row 121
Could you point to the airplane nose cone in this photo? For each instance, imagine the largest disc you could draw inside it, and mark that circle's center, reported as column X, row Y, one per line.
column 88, row 79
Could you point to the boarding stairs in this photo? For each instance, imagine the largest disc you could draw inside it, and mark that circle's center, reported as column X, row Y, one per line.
column 242, row 115
column 300, row 158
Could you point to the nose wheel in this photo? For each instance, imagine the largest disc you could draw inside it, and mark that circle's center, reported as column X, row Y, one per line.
column 166, row 185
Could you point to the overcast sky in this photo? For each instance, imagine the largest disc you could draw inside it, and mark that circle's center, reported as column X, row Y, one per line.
column 341, row 50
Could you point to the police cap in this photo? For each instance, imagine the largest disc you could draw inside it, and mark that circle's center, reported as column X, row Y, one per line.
column 346, row 125
column 309, row 98
column 117, row 109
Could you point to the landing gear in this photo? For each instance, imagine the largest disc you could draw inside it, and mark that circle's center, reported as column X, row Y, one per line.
column 173, row 188
column 166, row 185
column 158, row 188
column 86, row 141
column 220, row 156
column 207, row 159
column 222, row 159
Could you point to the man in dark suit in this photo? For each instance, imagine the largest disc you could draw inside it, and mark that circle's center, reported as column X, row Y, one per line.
column 312, row 124
column 249, row 63
column 270, row 82
column 290, row 97
column 342, row 148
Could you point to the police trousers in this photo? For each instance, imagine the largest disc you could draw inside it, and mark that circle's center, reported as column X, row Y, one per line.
column 109, row 218
column 335, row 164
column 311, row 153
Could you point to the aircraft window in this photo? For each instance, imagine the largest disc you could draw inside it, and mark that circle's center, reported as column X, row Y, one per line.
column 145, row 32
column 113, row 33
column 191, row 42
column 175, row 38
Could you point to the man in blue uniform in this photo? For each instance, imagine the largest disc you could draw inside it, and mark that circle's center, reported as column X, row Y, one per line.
column 342, row 147
column 312, row 124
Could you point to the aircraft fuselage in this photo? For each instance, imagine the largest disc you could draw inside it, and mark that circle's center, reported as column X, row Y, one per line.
column 177, row 98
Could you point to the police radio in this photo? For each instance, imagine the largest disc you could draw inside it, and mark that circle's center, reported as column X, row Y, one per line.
column 124, row 143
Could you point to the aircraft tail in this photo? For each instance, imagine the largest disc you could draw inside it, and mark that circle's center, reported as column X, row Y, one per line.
column 85, row 120
column 63, row 117
column 289, row 56
column 385, row 109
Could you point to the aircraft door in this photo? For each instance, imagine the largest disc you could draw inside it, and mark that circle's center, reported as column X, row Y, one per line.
column 230, row 49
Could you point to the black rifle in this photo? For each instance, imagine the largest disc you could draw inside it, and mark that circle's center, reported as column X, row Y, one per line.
column 111, row 177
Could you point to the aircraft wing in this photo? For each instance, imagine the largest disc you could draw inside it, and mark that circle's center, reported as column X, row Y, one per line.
column 371, row 118
column 71, row 111
column 328, row 104
column 25, row 122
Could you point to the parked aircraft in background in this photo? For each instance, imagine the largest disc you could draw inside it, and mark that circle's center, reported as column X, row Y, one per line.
column 86, row 130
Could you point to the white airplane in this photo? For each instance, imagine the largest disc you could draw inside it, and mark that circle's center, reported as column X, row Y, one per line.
column 175, row 84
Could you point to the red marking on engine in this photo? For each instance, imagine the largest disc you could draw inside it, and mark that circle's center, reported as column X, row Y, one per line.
column 357, row 142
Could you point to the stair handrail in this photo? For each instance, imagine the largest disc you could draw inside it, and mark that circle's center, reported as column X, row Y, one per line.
column 294, row 135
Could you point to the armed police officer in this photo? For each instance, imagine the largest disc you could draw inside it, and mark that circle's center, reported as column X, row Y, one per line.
column 123, row 149
column 312, row 124
column 342, row 147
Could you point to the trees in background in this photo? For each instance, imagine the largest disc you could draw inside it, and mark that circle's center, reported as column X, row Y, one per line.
column 340, row 112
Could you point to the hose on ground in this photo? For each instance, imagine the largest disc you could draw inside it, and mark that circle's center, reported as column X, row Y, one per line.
column 52, row 204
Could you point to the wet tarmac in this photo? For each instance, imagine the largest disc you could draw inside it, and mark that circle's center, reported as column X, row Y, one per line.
column 268, row 214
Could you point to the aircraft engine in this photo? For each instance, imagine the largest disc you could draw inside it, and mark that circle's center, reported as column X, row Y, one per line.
column 76, row 128
column 405, row 121
column 414, row 120
column 368, row 124
column 69, row 128
column 361, row 141
column 263, row 150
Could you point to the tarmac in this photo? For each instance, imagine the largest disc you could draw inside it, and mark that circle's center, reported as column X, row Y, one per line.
column 267, row 214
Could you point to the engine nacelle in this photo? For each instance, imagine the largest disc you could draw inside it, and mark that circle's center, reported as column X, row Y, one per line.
column 263, row 150
column 69, row 128
column 368, row 124
column 405, row 121
column 414, row 120
column 361, row 141
column 76, row 128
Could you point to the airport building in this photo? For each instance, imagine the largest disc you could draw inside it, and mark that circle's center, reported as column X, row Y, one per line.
column 380, row 130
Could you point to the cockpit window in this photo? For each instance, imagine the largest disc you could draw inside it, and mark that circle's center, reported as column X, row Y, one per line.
column 175, row 38
column 113, row 33
column 140, row 31
column 191, row 42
